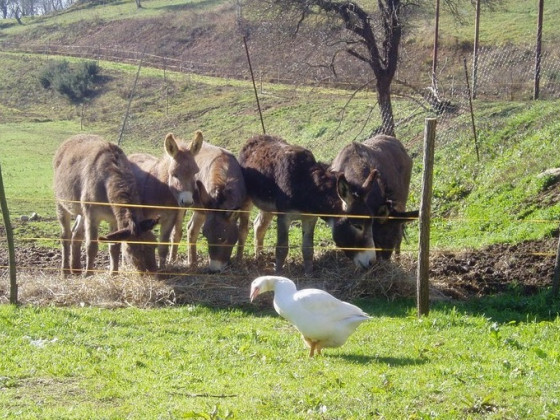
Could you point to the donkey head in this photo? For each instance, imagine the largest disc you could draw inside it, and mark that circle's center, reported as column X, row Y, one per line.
column 353, row 233
column 140, row 244
column 220, row 229
column 182, row 168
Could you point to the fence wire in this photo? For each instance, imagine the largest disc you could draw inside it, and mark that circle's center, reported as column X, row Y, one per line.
column 504, row 73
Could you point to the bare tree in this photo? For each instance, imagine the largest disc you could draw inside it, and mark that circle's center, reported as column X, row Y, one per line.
column 368, row 30
column 17, row 15
column 19, row 8
column 371, row 36
column 4, row 8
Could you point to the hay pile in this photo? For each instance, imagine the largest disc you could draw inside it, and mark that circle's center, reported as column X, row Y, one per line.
column 178, row 285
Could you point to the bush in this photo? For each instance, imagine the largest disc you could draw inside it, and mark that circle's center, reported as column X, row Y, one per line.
column 75, row 83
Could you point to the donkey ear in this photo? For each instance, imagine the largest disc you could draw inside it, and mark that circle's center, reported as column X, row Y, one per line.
column 170, row 144
column 344, row 191
column 196, row 143
column 148, row 224
column 116, row 236
column 368, row 183
column 231, row 215
column 383, row 213
column 405, row 216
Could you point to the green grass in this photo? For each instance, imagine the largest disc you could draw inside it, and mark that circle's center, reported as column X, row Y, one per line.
column 495, row 357
column 497, row 199
column 508, row 21
column 459, row 362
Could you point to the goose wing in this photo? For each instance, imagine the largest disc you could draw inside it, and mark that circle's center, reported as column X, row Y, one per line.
column 319, row 315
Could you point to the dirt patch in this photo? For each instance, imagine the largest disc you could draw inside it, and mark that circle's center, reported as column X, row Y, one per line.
column 526, row 268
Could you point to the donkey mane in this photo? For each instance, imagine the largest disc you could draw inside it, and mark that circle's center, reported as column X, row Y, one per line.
column 325, row 182
column 219, row 176
column 118, row 181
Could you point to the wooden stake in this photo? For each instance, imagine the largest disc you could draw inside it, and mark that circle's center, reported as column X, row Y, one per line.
column 422, row 278
column 11, row 248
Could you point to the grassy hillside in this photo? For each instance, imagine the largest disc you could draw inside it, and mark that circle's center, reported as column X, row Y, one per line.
column 206, row 34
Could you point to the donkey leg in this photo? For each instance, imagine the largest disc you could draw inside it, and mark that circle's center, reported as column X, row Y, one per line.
column 399, row 240
column 193, row 230
column 177, row 235
column 76, row 245
column 114, row 255
column 243, row 228
column 64, row 220
column 166, row 227
column 91, row 235
column 260, row 225
column 308, row 230
column 282, row 231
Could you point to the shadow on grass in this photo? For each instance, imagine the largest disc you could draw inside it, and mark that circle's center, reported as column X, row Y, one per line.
column 188, row 6
column 391, row 361
column 509, row 307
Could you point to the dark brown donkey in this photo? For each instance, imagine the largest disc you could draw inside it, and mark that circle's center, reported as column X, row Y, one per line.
column 287, row 179
column 88, row 170
column 388, row 202
column 167, row 182
column 222, row 192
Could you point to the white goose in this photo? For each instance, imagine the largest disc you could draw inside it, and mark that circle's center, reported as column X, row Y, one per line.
column 322, row 319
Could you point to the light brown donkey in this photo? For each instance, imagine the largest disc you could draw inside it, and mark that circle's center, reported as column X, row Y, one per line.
column 169, row 182
column 88, row 170
column 222, row 192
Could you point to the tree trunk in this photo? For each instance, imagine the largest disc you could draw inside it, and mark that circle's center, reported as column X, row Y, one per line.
column 18, row 14
column 385, row 107
column 4, row 7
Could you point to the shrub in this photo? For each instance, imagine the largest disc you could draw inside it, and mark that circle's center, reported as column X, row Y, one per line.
column 75, row 83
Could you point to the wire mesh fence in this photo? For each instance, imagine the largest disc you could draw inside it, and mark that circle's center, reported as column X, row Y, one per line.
column 503, row 74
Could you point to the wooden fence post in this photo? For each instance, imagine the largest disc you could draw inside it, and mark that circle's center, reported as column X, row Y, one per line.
column 10, row 238
column 422, row 278
column 556, row 278
column 537, row 81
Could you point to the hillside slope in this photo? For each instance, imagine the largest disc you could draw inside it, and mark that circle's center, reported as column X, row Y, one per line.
column 207, row 36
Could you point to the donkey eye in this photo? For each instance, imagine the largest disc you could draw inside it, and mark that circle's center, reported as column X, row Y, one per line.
column 358, row 226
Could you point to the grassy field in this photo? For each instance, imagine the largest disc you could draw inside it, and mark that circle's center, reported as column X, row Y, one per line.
column 469, row 361
column 488, row 358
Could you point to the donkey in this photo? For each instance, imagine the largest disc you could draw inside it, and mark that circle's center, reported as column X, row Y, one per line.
column 388, row 202
column 93, row 181
column 287, row 180
column 168, row 181
column 221, row 193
